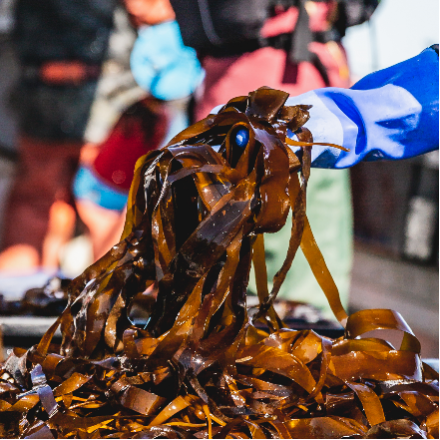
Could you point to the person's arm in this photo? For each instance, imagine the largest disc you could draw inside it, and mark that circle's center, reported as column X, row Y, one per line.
column 389, row 114
column 162, row 65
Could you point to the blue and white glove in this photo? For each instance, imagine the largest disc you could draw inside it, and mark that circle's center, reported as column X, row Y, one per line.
column 390, row 114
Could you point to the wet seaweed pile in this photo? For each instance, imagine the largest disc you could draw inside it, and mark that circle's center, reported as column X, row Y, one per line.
column 48, row 300
column 204, row 366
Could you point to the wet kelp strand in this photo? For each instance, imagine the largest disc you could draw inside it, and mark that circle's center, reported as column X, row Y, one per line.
column 203, row 367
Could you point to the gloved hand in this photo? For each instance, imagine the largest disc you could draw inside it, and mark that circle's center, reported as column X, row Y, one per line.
column 389, row 114
column 162, row 65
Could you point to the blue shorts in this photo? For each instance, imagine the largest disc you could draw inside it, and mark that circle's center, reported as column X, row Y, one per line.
column 87, row 186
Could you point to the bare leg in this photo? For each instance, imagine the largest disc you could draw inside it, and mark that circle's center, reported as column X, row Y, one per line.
column 19, row 258
column 105, row 225
column 44, row 174
column 62, row 218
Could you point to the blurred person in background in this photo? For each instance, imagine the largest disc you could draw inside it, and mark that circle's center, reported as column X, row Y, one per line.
column 61, row 45
column 116, row 92
column 295, row 46
column 169, row 73
column 9, row 71
column 101, row 186
column 117, row 89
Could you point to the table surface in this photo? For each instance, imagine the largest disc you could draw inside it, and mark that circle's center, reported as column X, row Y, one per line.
column 13, row 288
column 26, row 325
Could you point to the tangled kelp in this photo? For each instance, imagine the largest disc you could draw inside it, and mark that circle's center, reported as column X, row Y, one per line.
column 201, row 368
column 49, row 300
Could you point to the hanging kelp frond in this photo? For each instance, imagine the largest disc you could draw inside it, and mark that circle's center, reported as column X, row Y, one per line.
column 201, row 367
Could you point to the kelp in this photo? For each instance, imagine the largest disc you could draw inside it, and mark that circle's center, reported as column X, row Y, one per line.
column 49, row 300
column 202, row 366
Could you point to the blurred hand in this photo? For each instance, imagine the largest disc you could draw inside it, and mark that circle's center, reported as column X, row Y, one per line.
column 149, row 12
column 63, row 72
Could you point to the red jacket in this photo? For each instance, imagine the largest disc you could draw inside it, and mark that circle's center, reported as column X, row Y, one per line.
column 228, row 77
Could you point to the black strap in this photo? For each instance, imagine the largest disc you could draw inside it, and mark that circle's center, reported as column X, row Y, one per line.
column 301, row 36
column 435, row 48
column 316, row 61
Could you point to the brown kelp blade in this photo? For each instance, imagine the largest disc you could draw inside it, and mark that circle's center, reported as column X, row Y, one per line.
column 199, row 368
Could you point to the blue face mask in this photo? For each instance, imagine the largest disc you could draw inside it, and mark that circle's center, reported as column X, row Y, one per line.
column 162, row 65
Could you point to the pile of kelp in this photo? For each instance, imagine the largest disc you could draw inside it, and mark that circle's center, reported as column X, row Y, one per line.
column 49, row 300
column 201, row 367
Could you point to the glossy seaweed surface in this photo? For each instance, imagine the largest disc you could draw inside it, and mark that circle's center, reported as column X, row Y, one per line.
column 201, row 368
